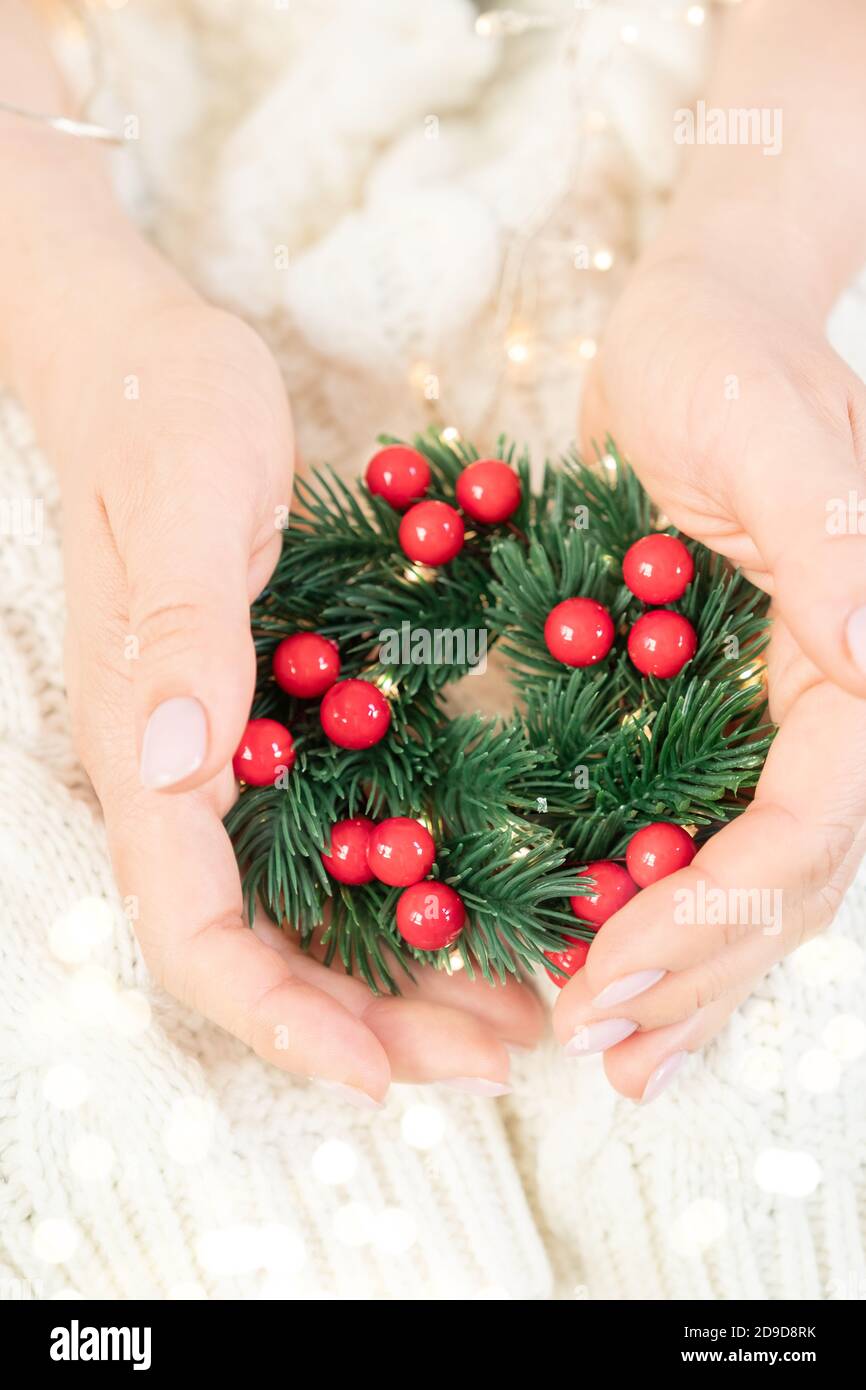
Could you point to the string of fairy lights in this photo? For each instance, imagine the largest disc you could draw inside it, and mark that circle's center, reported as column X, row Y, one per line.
column 515, row 324
column 519, row 336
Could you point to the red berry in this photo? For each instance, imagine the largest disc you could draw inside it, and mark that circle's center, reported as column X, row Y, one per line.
column 355, row 714
column 347, row 860
column 266, row 749
column 488, row 490
column 399, row 474
column 658, row 850
column 571, row 959
column 579, row 632
column 430, row 915
column 401, row 851
column 661, row 642
column 431, row 533
column 658, row 569
column 306, row 664
column 613, row 889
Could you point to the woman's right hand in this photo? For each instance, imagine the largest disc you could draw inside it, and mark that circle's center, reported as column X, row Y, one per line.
column 170, row 424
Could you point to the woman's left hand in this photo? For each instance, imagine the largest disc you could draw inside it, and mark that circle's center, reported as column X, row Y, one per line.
column 753, row 475
column 666, row 972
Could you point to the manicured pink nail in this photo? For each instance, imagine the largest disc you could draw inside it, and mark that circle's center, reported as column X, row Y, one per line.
column 174, row 744
column 856, row 634
column 360, row 1099
column 626, row 988
column 597, row 1037
column 662, row 1076
column 477, row 1086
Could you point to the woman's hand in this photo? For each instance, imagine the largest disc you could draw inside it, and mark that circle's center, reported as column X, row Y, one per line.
column 748, row 431
column 170, row 425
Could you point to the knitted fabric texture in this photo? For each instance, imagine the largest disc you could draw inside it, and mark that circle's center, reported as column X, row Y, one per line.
column 378, row 188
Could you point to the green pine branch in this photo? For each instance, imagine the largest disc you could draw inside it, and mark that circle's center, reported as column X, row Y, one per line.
column 517, row 807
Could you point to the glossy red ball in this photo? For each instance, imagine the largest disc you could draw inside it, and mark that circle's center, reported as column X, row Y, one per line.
column 347, row 860
column 571, row 959
column 579, row 632
column 266, row 750
column 431, row 533
column 306, row 664
column 658, row 850
column 355, row 714
column 399, row 474
column 661, row 642
column 430, row 915
column 488, row 491
column 658, row 569
column 401, row 851
column 613, row 887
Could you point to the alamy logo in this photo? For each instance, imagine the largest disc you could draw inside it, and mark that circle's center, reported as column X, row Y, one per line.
column 737, row 907
column 733, row 125
column 23, row 518
column 438, row 646
column 77, row 1343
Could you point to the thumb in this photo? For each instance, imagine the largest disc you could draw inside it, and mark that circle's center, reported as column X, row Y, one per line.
column 188, row 580
column 803, row 501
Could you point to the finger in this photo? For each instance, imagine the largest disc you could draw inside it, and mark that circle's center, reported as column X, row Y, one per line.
column 188, row 576
column 778, row 871
column 679, row 994
column 174, row 859
column 185, row 538
column 799, row 500
column 644, row 1065
column 424, row 1041
column 512, row 1010
column 175, row 866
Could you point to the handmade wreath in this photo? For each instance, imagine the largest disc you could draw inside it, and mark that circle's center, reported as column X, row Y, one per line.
column 373, row 822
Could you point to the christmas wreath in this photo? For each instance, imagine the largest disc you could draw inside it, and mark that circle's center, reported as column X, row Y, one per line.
column 372, row 821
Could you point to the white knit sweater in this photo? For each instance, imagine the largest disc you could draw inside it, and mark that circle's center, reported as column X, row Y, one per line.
column 143, row 1152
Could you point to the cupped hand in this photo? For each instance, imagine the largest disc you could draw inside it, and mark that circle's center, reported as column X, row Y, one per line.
column 175, row 445
column 748, row 432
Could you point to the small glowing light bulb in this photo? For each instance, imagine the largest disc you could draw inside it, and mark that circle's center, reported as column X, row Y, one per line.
column 696, row 14
column 588, row 348
column 517, row 348
column 603, row 259
column 450, row 434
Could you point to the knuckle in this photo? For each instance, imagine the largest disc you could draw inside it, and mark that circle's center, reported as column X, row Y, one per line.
column 832, row 844
column 165, row 631
column 711, row 984
column 179, row 965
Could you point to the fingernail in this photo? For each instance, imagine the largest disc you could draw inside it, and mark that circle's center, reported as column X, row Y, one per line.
column 174, row 744
column 856, row 633
column 597, row 1037
column 626, row 988
column 360, row 1099
column 662, row 1076
column 477, row 1086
